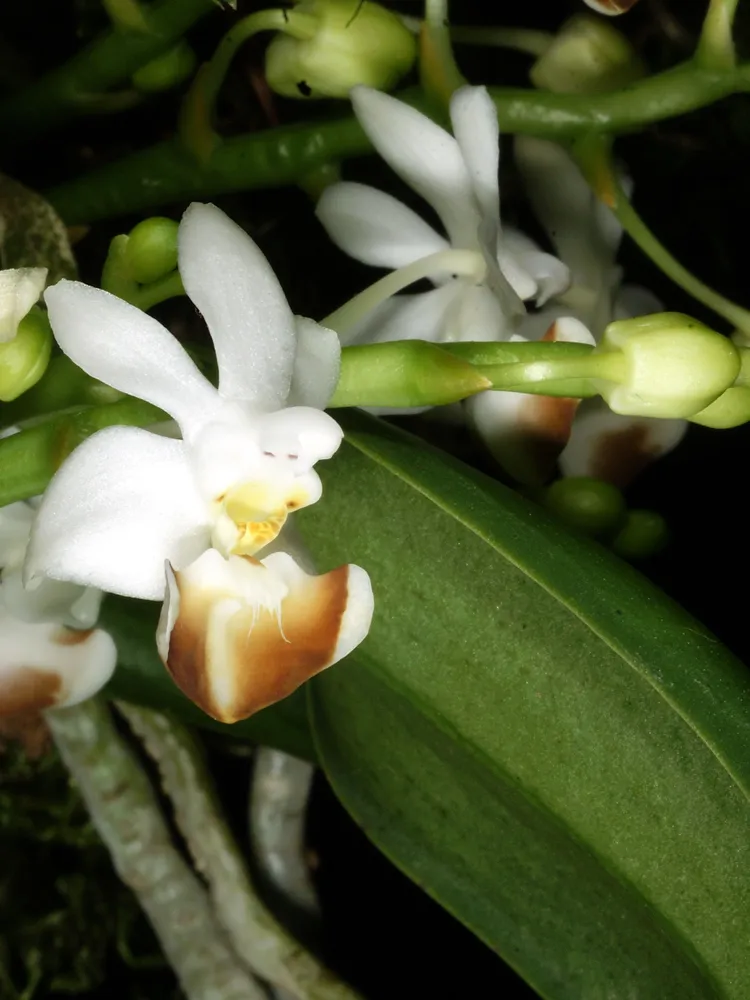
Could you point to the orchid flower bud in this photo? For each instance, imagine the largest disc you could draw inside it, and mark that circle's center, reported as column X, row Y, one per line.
column 587, row 56
column 24, row 359
column 671, row 366
column 590, row 505
column 168, row 70
column 352, row 42
column 643, row 534
column 732, row 408
column 151, row 249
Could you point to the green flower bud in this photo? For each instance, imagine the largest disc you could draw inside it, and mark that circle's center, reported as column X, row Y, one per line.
column 168, row 70
column 404, row 373
column 354, row 41
column 590, row 505
column 24, row 359
column 643, row 534
column 587, row 56
column 671, row 366
column 151, row 249
column 731, row 409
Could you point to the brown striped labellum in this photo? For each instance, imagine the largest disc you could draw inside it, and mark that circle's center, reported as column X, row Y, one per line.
column 239, row 634
column 49, row 666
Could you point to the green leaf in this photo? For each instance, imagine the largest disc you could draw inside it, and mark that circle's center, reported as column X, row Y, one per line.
column 140, row 677
column 536, row 735
column 32, row 234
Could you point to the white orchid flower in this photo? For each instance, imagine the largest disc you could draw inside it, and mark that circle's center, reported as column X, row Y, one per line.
column 525, row 432
column 138, row 514
column 20, row 288
column 50, row 655
column 481, row 271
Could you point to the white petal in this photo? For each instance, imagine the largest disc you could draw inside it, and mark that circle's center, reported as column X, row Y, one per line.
column 15, row 527
column 20, row 288
column 407, row 317
column 634, row 300
column 51, row 601
column 608, row 446
column 249, row 319
column 425, row 156
column 46, row 666
column 474, row 120
column 302, row 434
column 129, row 350
column 375, row 227
column 316, row 365
column 549, row 275
column 122, row 504
column 476, row 314
column 584, row 232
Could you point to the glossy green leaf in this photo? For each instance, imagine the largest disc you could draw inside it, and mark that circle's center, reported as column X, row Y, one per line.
column 535, row 734
column 140, row 677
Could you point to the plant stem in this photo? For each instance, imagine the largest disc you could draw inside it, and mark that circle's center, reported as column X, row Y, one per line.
column 594, row 157
column 526, row 40
column 468, row 263
column 438, row 71
column 255, row 934
column 196, row 129
column 126, row 813
column 107, row 63
column 716, row 44
column 280, row 156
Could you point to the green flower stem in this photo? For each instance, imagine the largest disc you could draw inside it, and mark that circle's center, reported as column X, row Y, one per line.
column 125, row 810
column 521, row 39
column 438, row 70
column 280, row 156
column 196, row 130
column 63, row 386
column 538, row 368
column 593, row 155
column 716, row 45
column 256, row 936
column 29, row 459
column 107, row 63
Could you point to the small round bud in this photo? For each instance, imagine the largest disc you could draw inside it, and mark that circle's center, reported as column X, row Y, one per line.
column 587, row 56
column 355, row 41
column 672, row 366
column 24, row 359
column 151, row 249
column 731, row 409
column 168, row 70
column 590, row 505
column 643, row 534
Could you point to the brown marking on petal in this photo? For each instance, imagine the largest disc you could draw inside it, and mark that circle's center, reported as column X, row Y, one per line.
column 30, row 730
column 551, row 334
column 72, row 637
column 265, row 657
column 543, row 426
column 26, row 689
column 620, row 456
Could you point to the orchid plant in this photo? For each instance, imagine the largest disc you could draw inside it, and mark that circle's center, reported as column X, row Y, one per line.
column 530, row 729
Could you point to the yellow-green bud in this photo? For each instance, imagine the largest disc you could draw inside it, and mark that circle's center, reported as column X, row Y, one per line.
column 590, row 505
column 168, row 70
column 353, row 41
column 731, row 409
column 24, row 359
column 587, row 56
column 643, row 534
column 151, row 249
column 670, row 366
